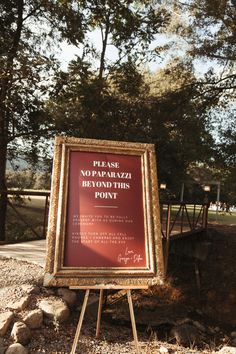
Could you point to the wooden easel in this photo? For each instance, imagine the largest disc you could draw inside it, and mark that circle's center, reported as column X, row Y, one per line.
column 102, row 288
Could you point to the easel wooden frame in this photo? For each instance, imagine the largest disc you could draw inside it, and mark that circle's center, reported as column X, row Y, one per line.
column 99, row 314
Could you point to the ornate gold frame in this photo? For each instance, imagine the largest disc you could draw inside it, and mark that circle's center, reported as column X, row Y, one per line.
column 58, row 275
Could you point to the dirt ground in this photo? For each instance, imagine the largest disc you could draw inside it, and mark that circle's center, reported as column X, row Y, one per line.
column 200, row 289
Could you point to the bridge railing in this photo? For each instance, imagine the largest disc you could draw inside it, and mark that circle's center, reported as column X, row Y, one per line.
column 177, row 219
column 22, row 209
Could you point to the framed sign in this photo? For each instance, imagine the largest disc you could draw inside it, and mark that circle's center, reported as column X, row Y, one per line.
column 104, row 224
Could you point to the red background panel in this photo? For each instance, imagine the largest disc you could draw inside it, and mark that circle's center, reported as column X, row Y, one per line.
column 107, row 231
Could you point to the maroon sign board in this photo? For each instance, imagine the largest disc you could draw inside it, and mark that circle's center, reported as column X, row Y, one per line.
column 104, row 225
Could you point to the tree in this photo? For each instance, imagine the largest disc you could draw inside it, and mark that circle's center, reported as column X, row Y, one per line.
column 85, row 95
column 208, row 29
column 159, row 108
column 26, row 28
column 24, row 74
column 179, row 125
column 204, row 31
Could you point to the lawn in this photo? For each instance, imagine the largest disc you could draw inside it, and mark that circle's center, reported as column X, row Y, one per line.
column 31, row 209
column 26, row 220
column 213, row 216
column 220, row 218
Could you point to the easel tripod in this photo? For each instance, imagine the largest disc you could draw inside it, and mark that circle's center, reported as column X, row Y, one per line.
column 102, row 288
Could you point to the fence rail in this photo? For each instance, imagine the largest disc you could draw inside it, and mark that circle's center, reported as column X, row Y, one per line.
column 177, row 219
column 12, row 194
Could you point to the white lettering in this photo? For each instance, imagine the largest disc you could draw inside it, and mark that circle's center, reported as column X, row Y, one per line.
column 105, row 195
column 106, row 164
column 106, row 174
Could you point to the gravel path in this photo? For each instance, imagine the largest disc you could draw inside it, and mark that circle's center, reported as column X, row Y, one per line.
column 216, row 301
column 13, row 274
column 54, row 339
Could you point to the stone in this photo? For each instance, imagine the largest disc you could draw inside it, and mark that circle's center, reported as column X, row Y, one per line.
column 5, row 321
column 69, row 296
column 199, row 326
column 21, row 304
column 2, row 346
column 163, row 350
column 30, row 289
column 34, row 319
column 20, row 333
column 233, row 334
column 227, row 350
column 55, row 309
column 16, row 348
column 185, row 334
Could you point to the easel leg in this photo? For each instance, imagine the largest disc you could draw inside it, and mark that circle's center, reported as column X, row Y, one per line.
column 80, row 322
column 131, row 310
column 99, row 313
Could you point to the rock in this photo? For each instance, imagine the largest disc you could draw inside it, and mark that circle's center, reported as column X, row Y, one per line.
column 16, row 348
column 234, row 342
column 227, row 350
column 199, row 326
column 30, row 289
column 69, row 296
column 233, row 334
column 5, row 321
column 55, row 309
column 163, row 350
column 49, row 291
column 21, row 304
column 34, row 319
column 211, row 330
column 185, row 334
column 20, row 333
column 2, row 346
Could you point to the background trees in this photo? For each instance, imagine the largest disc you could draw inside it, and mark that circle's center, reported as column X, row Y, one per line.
column 24, row 73
column 117, row 96
column 204, row 31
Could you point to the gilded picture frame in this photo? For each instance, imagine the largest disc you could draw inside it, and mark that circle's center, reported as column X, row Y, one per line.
column 104, row 219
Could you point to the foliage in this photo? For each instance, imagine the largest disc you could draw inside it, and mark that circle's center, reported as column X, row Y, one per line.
column 158, row 108
column 25, row 72
column 28, row 179
column 118, row 99
column 24, row 79
column 205, row 32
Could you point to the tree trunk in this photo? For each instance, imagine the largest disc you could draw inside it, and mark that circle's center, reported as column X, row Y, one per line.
column 3, row 189
column 104, row 47
column 5, row 91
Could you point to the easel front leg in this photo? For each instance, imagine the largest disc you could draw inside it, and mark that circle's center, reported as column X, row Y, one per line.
column 99, row 313
column 80, row 322
column 131, row 310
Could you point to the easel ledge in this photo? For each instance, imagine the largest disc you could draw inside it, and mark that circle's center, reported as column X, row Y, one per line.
column 102, row 288
column 109, row 287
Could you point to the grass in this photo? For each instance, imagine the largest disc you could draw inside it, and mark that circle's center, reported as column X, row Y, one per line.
column 213, row 216
column 32, row 211
column 220, row 218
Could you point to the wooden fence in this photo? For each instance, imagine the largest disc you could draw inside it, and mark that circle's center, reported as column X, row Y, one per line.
column 177, row 219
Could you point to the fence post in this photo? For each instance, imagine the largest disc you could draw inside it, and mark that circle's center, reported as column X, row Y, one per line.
column 167, row 245
column 205, row 216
